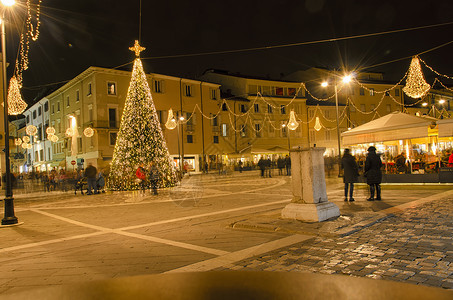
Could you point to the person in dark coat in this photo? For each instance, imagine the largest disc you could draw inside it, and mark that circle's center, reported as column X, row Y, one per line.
column 153, row 177
column 262, row 166
column 351, row 174
column 288, row 165
column 280, row 165
column 400, row 163
column 90, row 174
column 373, row 173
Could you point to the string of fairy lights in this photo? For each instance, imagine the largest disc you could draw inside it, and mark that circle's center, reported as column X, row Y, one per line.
column 16, row 105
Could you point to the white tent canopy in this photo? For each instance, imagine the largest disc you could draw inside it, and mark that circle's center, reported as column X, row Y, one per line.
column 445, row 128
column 394, row 126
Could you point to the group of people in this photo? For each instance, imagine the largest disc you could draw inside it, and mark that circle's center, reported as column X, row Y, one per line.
column 151, row 175
column 372, row 173
column 266, row 165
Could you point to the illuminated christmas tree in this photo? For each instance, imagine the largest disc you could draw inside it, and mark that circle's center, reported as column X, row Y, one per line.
column 140, row 139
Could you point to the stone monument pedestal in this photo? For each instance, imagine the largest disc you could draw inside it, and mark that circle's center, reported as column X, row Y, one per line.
column 308, row 185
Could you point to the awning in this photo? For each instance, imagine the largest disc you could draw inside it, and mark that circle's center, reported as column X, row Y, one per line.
column 445, row 127
column 394, row 126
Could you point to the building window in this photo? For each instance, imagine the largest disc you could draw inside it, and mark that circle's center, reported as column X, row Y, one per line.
column 279, row 91
column 188, row 90
column 389, row 108
column 292, row 91
column 46, row 106
column 283, row 109
column 213, row 94
column 284, row 131
column 216, row 139
column 372, row 107
column 77, row 96
column 269, row 109
column 362, row 107
column 34, row 114
column 39, row 111
column 371, row 92
column 158, row 86
column 90, row 114
column 224, row 130
column 189, row 139
column 58, row 106
column 112, row 118
column 52, row 110
column 89, row 89
column 224, row 107
column 79, row 144
column 243, row 108
column 387, row 93
column 113, row 136
column 258, row 130
column 256, row 106
column 67, row 101
column 41, row 155
column 362, row 91
column 327, row 135
column 111, row 88
column 28, row 119
column 397, row 92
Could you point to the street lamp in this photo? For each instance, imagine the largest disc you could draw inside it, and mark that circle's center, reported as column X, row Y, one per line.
column 9, row 217
column 346, row 79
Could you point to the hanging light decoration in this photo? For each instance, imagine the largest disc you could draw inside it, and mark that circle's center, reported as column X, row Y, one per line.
column 18, row 141
column 416, row 86
column 171, row 122
column 25, row 145
column 69, row 132
column 292, row 123
column 31, row 130
column 53, row 138
column 50, row 130
column 26, row 139
column 88, row 132
column 29, row 146
column 16, row 105
column 317, row 124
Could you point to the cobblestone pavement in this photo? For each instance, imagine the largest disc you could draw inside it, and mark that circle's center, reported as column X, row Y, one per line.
column 414, row 246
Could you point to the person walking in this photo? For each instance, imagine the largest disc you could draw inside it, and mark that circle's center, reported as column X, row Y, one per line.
column 90, row 174
column 351, row 174
column 373, row 173
column 100, row 182
column 141, row 178
column 153, row 177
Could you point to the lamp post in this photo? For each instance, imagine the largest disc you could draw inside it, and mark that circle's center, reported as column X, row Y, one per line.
column 346, row 79
column 9, row 217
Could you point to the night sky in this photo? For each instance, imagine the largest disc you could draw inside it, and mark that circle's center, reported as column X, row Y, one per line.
column 78, row 34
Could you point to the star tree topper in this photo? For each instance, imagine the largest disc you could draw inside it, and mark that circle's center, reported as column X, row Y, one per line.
column 137, row 48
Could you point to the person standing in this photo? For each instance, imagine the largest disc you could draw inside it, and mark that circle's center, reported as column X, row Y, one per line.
column 450, row 160
column 269, row 167
column 280, row 165
column 400, row 163
column 240, row 166
column 373, row 173
column 100, row 182
column 90, row 174
column 262, row 166
column 288, row 165
column 141, row 177
column 351, row 174
column 153, row 177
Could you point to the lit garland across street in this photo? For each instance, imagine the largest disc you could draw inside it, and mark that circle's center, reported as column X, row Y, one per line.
column 416, row 86
column 140, row 139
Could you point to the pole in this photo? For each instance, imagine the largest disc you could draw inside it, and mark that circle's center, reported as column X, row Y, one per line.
column 202, row 129
column 180, row 129
column 338, row 131
column 9, row 217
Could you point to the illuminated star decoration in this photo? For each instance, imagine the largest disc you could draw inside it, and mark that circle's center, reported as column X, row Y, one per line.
column 137, row 48
column 416, row 86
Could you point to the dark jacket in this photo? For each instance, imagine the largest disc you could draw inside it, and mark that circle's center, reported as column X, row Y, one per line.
column 262, row 164
column 373, row 166
column 90, row 172
column 351, row 170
